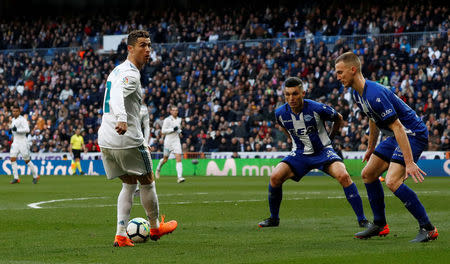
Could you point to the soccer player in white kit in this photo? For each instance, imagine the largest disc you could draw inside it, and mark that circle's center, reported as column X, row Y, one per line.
column 172, row 129
column 19, row 127
column 125, row 154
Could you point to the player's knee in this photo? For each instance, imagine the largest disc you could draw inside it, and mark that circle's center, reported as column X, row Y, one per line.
column 145, row 179
column 367, row 175
column 344, row 179
column 393, row 184
column 276, row 180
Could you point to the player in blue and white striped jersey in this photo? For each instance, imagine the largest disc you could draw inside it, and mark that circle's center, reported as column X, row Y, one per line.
column 398, row 154
column 303, row 121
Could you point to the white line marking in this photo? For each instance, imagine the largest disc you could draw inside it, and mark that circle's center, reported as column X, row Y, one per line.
column 37, row 205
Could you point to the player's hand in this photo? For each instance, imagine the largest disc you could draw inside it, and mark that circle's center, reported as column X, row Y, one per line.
column 367, row 155
column 121, row 128
column 415, row 172
column 14, row 128
column 175, row 128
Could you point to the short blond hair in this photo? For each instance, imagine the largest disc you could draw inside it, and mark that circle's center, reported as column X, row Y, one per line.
column 349, row 58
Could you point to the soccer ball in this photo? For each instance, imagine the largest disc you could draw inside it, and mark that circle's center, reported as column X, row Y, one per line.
column 138, row 229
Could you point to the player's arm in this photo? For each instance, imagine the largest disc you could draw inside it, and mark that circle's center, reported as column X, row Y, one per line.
column 167, row 128
column 121, row 88
column 403, row 142
column 338, row 121
column 374, row 132
column 83, row 147
column 146, row 124
column 22, row 126
column 284, row 131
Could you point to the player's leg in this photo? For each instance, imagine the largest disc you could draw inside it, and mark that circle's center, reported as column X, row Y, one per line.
column 166, row 153
column 124, row 200
column 27, row 157
column 14, row 169
column 149, row 198
column 179, row 167
column 378, row 163
column 374, row 168
column 395, row 182
column 78, row 164
column 279, row 175
column 338, row 171
column 33, row 171
column 124, row 204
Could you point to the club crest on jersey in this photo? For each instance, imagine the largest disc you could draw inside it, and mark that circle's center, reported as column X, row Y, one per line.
column 308, row 118
column 378, row 100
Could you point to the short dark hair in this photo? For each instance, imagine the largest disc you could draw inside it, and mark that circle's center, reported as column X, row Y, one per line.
column 293, row 82
column 135, row 34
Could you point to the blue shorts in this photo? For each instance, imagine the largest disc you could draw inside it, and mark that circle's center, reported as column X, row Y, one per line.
column 301, row 164
column 389, row 151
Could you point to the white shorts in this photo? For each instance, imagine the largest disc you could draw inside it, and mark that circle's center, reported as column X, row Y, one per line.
column 174, row 146
column 133, row 161
column 20, row 148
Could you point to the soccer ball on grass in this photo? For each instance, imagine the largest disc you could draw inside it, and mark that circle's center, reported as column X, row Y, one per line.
column 138, row 229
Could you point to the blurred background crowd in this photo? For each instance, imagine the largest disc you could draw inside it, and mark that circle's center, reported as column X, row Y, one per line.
column 229, row 84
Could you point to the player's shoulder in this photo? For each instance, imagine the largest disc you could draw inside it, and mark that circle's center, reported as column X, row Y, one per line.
column 281, row 110
column 375, row 90
column 312, row 104
column 127, row 69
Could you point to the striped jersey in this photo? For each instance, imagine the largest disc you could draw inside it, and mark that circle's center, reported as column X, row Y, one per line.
column 307, row 129
column 383, row 107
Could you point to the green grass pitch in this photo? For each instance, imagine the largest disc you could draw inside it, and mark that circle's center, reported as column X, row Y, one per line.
column 217, row 218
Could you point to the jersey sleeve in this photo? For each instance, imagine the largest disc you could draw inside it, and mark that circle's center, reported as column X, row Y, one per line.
column 166, row 128
column 23, row 126
column 279, row 119
column 383, row 107
column 327, row 112
column 122, row 87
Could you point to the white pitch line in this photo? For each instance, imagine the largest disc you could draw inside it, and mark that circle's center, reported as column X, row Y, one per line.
column 37, row 205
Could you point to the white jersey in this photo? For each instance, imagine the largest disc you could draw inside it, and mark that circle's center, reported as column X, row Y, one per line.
column 22, row 128
column 122, row 103
column 168, row 129
column 145, row 123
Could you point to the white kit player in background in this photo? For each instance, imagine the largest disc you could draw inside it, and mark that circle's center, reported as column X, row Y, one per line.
column 19, row 127
column 172, row 129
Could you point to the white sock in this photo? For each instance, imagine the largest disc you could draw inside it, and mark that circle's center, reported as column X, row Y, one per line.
column 15, row 170
column 124, row 203
column 149, row 201
column 158, row 168
column 179, row 167
column 32, row 169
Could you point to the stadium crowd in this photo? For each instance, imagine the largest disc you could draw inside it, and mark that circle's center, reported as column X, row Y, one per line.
column 173, row 25
column 227, row 96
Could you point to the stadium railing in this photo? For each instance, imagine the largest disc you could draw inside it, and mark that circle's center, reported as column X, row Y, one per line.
column 415, row 39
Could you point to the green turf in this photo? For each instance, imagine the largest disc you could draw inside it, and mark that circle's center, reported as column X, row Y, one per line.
column 217, row 218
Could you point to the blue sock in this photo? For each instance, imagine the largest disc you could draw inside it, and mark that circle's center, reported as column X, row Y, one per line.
column 275, row 197
column 352, row 194
column 376, row 199
column 412, row 203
